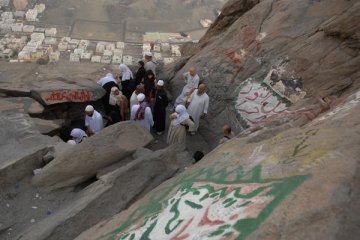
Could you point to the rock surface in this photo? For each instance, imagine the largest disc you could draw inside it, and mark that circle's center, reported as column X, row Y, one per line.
column 101, row 150
column 48, row 127
column 22, row 146
column 256, row 63
column 52, row 84
column 285, row 186
column 21, row 105
column 113, row 192
column 282, row 72
column 56, row 91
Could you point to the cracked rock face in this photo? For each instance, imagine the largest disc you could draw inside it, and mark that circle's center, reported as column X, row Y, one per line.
column 94, row 153
column 312, row 41
column 285, row 73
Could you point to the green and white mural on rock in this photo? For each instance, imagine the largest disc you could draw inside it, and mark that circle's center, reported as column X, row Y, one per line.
column 209, row 204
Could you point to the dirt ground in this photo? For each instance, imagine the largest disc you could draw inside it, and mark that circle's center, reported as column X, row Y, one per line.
column 21, row 205
column 110, row 19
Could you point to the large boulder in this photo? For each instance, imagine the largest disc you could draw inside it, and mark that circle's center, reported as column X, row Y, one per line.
column 48, row 127
column 52, row 84
column 61, row 90
column 302, row 183
column 112, row 193
column 21, row 105
column 22, row 146
column 101, row 150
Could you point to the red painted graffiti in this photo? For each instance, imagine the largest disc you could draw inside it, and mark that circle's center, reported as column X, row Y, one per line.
column 248, row 35
column 233, row 57
column 70, row 96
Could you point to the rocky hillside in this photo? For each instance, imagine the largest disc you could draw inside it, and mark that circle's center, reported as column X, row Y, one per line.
column 290, row 50
column 286, row 74
column 302, row 183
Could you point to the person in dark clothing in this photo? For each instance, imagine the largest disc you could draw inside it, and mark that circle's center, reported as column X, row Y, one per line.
column 140, row 74
column 112, row 118
column 161, row 102
column 149, row 82
column 126, row 79
column 198, row 155
column 107, row 83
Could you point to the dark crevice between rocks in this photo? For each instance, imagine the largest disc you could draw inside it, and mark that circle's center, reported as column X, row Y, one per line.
column 85, row 184
column 15, row 173
column 69, row 115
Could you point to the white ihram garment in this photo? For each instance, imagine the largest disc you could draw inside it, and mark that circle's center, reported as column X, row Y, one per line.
column 95, row 122
column 198, row 106
column 191, row 83
column 147, row 122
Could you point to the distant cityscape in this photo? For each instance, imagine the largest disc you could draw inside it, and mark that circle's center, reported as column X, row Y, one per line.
column 23, row 39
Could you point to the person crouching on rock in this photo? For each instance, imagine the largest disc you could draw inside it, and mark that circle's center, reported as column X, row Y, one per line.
column 119, row 102
column 141, row 113
column 78, row 135
column 180, row 120
column 93, row 121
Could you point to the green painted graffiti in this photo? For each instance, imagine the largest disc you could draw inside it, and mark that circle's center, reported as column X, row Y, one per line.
column 212, row 204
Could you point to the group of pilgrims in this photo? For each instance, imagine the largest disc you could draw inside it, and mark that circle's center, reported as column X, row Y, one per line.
column 142, row 98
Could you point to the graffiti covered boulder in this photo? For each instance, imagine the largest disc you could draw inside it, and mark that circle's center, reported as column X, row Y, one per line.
column 54, row 91
column 209, row 207
column 291, row 184
column 257, row 40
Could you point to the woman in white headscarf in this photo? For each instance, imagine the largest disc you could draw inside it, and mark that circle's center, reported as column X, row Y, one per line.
column 127, row 76
column 180, row 121
column 78, row 135
column 120, row 101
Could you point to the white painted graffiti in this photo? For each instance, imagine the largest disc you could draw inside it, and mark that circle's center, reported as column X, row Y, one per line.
column 255, row 103
column 204, row 212
column 340, row 111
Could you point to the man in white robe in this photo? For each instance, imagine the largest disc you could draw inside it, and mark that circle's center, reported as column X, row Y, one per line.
column 126, row 78
column 199, row 104
column 141, row 113
column 192, row 82
column 93, row 121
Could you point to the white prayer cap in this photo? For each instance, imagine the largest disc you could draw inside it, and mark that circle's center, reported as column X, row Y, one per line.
column 160, row 83
column 148, row 54
column 140, row 97
column 71, row 142
column 89, row 108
